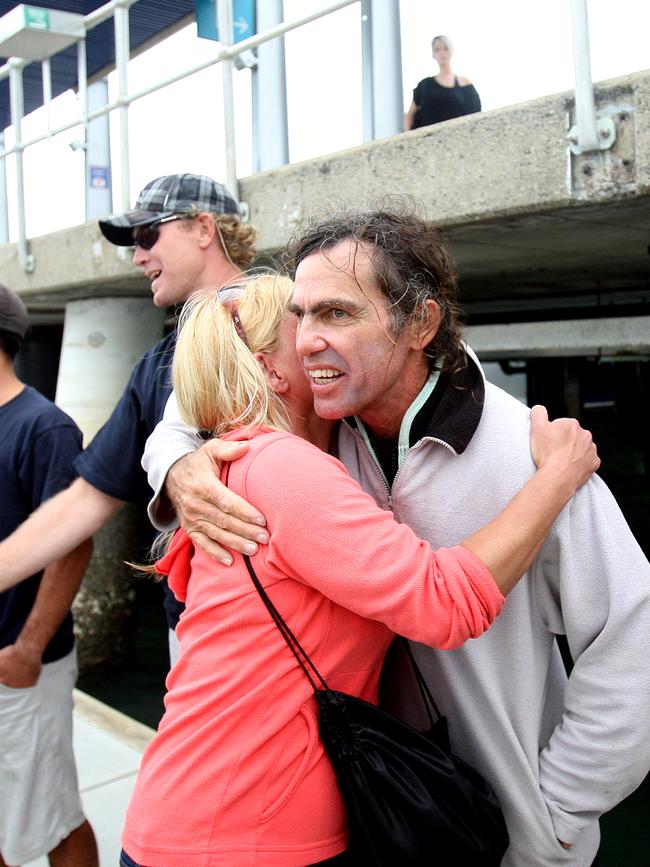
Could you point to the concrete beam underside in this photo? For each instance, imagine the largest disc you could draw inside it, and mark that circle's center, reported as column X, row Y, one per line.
column 625, row 335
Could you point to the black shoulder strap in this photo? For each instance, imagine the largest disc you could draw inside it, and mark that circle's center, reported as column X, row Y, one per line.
column 425, row 692
column 294, row 645
column 309, row 669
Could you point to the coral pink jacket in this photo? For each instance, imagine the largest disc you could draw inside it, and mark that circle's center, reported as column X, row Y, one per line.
column 236, row 774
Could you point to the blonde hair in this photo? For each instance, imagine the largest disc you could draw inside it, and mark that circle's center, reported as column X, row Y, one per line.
column 220, row 386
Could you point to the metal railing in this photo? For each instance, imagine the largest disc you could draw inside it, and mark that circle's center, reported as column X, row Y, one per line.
column 119, row 10
column 589, row 133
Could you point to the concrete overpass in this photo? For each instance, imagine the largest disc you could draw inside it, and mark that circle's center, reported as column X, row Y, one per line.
column 530, row 223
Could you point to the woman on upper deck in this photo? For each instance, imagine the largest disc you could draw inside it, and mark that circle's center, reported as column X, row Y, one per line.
column 443, row 96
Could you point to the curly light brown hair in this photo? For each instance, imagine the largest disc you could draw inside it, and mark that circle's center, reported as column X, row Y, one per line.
column 238, row 238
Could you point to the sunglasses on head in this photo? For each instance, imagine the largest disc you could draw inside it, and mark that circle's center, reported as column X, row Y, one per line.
column 146, row 236
column 229, row 296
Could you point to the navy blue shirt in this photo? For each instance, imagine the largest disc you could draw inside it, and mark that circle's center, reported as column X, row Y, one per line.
column 39, row 446
column 111, row 463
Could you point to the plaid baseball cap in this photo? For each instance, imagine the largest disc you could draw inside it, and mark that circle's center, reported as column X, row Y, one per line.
column 13, row 313
column 164, row 197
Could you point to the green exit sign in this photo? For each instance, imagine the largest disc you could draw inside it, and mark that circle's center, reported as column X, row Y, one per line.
column 34, row 33
column 38, row 19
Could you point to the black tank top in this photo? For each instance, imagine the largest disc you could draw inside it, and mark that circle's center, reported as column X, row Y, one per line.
column 437, row 103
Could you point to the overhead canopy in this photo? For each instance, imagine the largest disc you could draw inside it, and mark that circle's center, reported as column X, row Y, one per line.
column 149, row 21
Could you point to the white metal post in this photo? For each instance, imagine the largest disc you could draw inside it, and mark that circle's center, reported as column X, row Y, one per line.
column 46, row 75
column 585, row 102
column 388, row 98
column 98, row 155
column 82, row 82
column 366, row 71
column 224, row 23
column 25, row 259
column 255, row 120
column 4, row 208
column 271, row 99
column 121, row 63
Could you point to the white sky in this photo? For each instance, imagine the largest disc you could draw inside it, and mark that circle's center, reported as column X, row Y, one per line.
column 512, row 50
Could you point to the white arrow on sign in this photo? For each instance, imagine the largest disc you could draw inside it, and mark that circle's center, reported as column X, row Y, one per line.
column 240, row 25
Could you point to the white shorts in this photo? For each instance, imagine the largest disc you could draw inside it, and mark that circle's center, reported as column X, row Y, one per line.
column 39, row 796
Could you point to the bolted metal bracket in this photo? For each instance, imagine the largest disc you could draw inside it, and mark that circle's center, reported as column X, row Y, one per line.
column 245, row 59
column 606, row 136
column 25, row 259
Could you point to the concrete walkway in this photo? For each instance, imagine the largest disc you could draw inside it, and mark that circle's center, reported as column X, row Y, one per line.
column 108, row 746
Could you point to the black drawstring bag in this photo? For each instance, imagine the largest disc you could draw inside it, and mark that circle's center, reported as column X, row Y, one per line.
column 409, row 800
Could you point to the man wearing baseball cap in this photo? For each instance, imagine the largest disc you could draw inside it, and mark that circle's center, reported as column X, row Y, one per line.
column 40, row 808
column 187, row 234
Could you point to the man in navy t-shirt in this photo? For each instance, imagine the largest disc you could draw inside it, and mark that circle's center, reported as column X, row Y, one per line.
column 187, row 234
column 40, row 808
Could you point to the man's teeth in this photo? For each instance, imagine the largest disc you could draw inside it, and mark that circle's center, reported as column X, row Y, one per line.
column 325, row 373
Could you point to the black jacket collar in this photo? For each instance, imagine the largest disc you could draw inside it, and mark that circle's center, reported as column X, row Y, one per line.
column 453, row 410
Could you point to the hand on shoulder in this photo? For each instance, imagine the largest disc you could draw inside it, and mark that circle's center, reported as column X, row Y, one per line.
column 564, row 445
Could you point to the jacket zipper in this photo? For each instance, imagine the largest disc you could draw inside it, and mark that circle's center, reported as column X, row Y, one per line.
column 377, row 465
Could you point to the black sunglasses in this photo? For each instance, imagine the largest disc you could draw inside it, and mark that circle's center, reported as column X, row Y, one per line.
column 146, row 236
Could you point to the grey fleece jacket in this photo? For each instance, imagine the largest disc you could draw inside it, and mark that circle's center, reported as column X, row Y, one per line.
column 558, row 752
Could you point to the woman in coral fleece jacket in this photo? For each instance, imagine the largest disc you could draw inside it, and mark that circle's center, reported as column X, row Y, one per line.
column 236, row 774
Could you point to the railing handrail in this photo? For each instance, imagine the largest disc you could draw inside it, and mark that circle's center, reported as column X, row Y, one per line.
column 223, row 53
column 118, row 9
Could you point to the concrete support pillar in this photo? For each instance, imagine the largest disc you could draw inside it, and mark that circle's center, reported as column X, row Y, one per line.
column 102, row 340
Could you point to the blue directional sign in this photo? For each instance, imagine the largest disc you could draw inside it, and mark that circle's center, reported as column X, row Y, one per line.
column 100, row 177
column 243, row 19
